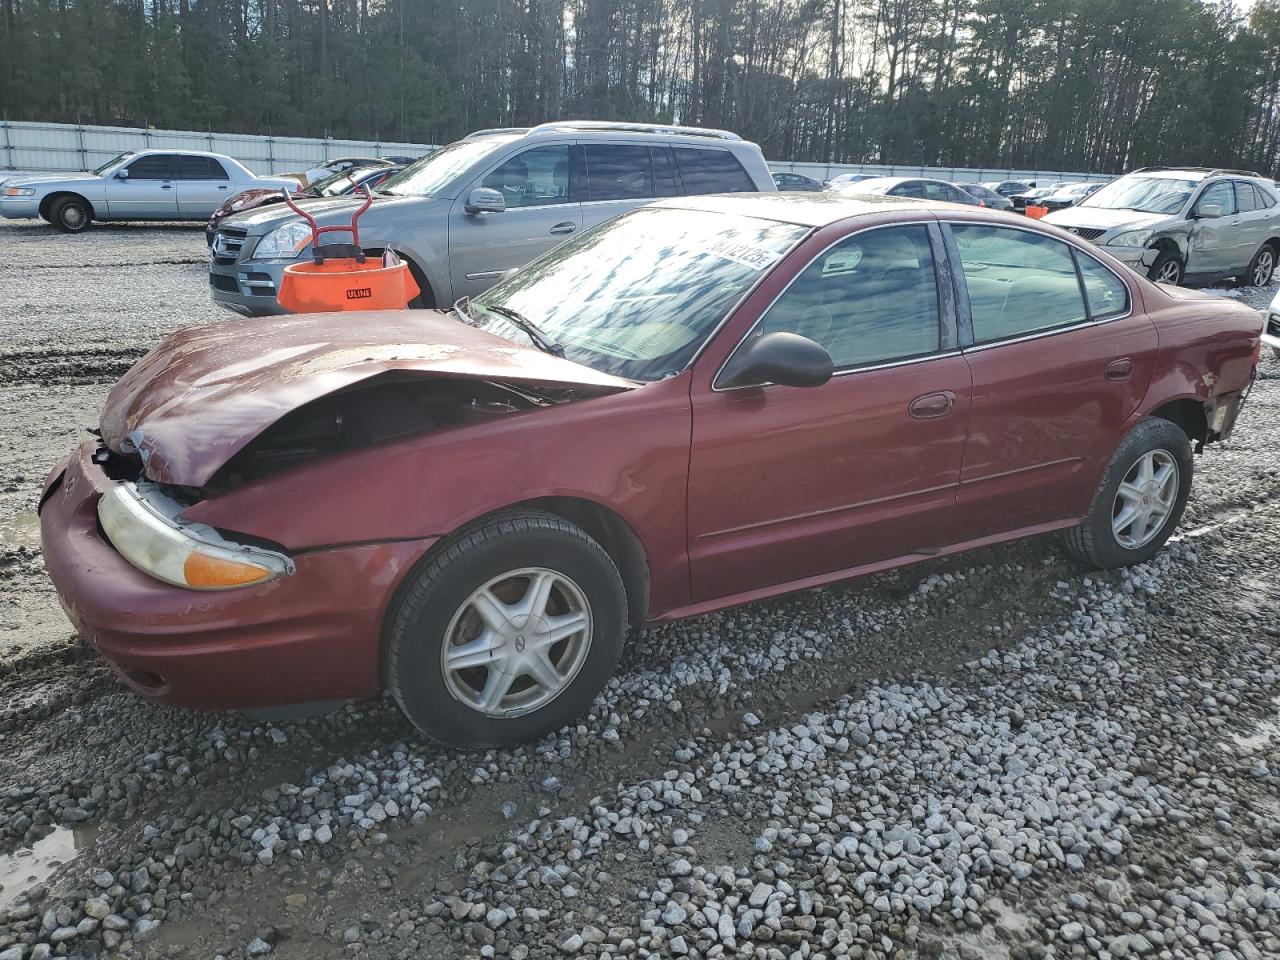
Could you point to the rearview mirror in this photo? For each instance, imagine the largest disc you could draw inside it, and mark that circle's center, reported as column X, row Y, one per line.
column 787, row 359
column 1209, row 211
column 485, row 200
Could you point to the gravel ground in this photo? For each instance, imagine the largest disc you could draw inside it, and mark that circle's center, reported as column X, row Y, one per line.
column 998, row 755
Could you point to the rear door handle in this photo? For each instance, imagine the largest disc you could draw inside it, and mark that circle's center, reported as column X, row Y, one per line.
column 933, row 405
column 166, row 186
column 1119, row 369
column 566, row 227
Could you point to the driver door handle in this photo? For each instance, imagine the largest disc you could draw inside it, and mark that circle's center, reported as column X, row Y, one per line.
column 933, row 405
column 567, row 227
column 1119, row 369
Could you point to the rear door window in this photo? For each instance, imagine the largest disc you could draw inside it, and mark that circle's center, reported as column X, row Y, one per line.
column 619, row 171
column 1019, row 282
column 154, row 166
column 200, row 168
column 1105, row 293
column 1246, row 197
column 711, row 171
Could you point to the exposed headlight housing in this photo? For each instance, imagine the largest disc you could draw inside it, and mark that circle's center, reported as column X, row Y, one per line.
column 18, row 192
column 284, row 243
column 141, row 523
column 1130, row 238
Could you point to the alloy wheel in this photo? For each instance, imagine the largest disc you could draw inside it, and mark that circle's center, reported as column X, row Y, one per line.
column 73, row 217
column 1171, row 272
column 517, row 642
column 1263, row 269
column 1145, row 499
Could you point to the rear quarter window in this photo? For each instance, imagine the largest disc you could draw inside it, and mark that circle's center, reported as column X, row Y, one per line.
column 706, row 170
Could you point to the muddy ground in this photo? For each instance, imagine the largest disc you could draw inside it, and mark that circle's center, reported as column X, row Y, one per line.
column 997, row 755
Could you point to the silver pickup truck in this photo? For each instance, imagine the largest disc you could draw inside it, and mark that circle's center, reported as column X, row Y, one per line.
column 488, row 203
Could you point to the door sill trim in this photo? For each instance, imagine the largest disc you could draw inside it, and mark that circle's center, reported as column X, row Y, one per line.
column 823, row 579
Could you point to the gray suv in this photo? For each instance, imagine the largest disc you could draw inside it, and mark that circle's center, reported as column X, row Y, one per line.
column 495, row 200
column 1177, row 223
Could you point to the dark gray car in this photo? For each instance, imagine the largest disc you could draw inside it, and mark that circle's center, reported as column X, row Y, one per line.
column 479, row 207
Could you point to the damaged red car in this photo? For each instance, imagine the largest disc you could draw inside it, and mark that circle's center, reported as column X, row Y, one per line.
column 704, row 402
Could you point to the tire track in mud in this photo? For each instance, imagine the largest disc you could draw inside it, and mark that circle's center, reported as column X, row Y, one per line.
column 98, row 365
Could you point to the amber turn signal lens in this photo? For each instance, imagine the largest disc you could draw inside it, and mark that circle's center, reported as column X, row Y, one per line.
column 205, row 571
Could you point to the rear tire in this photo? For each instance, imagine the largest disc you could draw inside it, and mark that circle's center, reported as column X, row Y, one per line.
column 70, row 215
column 1132, row 482
column 474, row 652
column 1261, row 268
column 1168, row 268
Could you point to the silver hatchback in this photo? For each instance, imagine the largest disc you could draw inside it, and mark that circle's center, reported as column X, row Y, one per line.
column 484, row 205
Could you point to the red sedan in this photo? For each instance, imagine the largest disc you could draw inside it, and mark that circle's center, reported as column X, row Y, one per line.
column 704, row 402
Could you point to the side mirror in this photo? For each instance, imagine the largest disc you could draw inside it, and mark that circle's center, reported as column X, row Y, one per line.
column 122, row 174
column 787, row 359
column 485, row 200
column 1209, row 211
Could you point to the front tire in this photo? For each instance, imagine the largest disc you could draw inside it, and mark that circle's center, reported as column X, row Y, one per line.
column 1168, row 268
column 70, row 215
column 507, row 633
column 1140, row 500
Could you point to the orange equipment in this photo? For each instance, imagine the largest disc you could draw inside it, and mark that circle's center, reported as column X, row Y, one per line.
column 339, row 277
column 1035, row 211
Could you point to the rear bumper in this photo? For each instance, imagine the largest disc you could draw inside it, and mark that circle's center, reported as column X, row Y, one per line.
column 313, row 635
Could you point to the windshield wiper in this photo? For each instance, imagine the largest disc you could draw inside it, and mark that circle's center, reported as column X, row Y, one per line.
column 531, row 329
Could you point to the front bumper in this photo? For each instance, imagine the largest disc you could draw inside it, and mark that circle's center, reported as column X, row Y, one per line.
column 1139, row 258
column 239, row 283
column 20, row 208
column 313, row 635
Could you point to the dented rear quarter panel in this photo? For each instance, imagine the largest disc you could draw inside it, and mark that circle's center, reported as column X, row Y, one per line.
column 627, row 451
column 1208, row 345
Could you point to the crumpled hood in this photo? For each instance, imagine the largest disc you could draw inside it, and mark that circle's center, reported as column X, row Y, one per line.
column 326, row 210
column 1101, row 218
column 198, row 398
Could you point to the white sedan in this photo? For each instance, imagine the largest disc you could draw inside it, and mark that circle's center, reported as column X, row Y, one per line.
column 139, row 185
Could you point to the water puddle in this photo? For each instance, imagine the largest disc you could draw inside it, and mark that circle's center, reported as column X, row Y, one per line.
column 28, row 866
column 20, row 530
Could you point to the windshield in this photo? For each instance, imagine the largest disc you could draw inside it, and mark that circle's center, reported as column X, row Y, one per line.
column 336, row 184
column 637, row 296
column 432, row 173
column 118, row 158
column 1144, row 194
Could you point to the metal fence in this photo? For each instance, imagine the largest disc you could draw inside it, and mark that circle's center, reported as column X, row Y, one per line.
column 73, row 146
column 70, row 146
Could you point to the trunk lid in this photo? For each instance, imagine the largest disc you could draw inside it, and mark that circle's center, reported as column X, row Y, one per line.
column 204, row 393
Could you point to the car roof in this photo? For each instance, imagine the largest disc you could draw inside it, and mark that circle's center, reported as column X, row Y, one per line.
column 802, row 209
column 182, row 153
